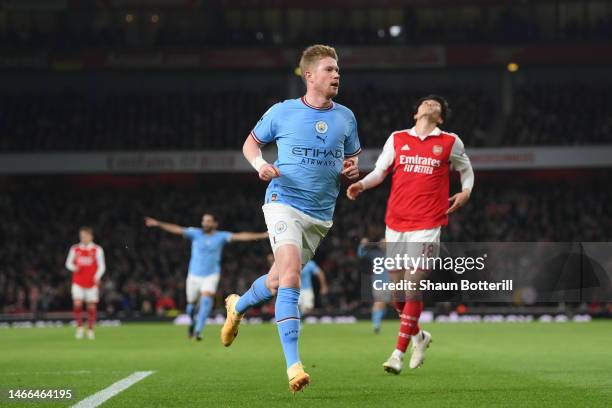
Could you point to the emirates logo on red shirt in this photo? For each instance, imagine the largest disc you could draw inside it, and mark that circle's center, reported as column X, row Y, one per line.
column 84, row 260
column 437, row 150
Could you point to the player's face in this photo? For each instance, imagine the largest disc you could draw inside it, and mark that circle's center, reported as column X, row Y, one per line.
column 325, row 77
column 208, row 223
column 86, row 237
column 430, row 108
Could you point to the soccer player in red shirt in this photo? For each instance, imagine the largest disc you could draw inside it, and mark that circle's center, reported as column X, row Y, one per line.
column 420, row 159
column 86, row 262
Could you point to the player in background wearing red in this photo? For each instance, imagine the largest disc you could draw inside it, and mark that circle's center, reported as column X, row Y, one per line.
column 420, row 159
column 86, row 262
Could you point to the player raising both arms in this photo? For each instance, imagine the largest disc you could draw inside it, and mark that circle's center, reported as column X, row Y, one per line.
column 205, row 264
column 86, row 262
column 421, row 159
column 317, row 142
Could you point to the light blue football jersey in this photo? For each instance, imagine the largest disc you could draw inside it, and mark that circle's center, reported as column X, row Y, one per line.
column 206, row 250
column 312, row 144
column 309, row 270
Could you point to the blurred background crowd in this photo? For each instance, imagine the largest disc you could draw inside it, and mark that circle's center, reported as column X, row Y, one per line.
column 146, row 268
column 77, row 121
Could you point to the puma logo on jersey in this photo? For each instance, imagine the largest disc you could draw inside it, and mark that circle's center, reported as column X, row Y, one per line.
column 405, row 147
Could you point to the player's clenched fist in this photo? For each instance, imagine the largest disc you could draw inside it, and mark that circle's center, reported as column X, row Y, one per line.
column 354, row 190
column 350, row 169
column 268, row 171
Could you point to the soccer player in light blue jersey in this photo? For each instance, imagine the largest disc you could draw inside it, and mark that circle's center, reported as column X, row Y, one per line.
column 307, row 297
column 317, row 142
column 207, row 245
column 370, row 251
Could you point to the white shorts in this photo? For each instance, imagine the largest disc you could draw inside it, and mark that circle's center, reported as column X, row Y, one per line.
column 306, row 300
column 198, row 284
column 415, row 244
column 286, row 225
column 84, row 294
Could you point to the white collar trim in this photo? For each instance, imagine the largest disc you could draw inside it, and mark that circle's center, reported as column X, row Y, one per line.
column 435, row 132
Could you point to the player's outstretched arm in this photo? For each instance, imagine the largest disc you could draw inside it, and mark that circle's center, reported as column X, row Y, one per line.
column 166, row 226
column 252, row 152
column 377, row 176
column 373, row 179
column 248, row 236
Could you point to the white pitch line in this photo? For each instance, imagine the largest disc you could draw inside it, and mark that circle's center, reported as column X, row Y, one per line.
column 100, row 397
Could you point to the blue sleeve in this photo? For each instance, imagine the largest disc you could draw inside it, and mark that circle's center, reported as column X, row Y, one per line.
column 264, row 131
column 307, row 269
column 190, row 233
column 361, row 251
column 352, row 147
column 312, row 268
column 226, row 236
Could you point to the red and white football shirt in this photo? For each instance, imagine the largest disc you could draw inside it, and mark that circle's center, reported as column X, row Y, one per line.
column 420, row 184
column 87, row 264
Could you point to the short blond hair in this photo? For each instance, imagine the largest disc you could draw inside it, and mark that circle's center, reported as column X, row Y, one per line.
column 313, row 54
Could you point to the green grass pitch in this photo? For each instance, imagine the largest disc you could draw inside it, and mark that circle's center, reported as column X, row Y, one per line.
column 475, row 365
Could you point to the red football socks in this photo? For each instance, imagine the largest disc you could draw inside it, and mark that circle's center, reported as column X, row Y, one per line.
column 409, row 323
column 91, row 317
column 78, row 315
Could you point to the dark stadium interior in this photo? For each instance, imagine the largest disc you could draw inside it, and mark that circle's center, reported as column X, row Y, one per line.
column 264, row 23
column 89, row 77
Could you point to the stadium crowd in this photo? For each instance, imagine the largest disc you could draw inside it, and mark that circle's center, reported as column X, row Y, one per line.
column 146, row 268
column 214, row 27
column 78, row 121
column 550, row 116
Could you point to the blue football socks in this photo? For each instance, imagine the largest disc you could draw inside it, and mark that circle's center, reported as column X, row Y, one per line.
column 206, row 304
column 377, row 316
column 288, row 323
column 257, row 293
column 189, row 310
